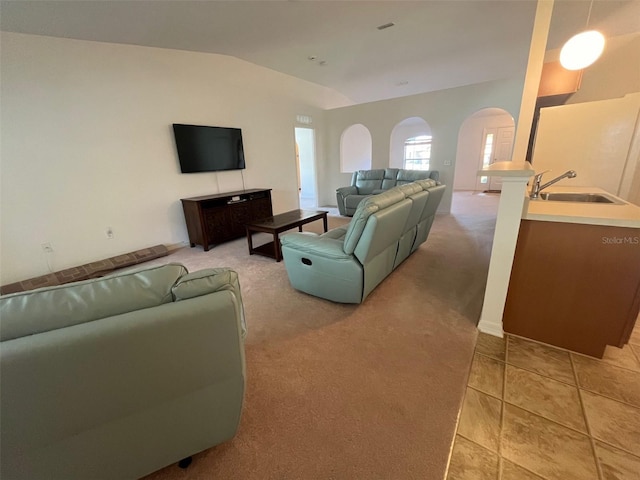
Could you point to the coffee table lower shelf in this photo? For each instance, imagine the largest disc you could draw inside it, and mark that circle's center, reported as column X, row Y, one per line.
column 265, row 249
column 277, row 224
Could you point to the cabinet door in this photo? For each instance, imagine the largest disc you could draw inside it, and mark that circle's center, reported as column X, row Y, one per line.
column 572, row 285
column 239, row 215
column 218, row 225
column 261, row 208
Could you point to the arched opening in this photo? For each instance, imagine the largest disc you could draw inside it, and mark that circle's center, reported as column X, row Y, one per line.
column 355, row 149
column 484, row 137
column 410, row 144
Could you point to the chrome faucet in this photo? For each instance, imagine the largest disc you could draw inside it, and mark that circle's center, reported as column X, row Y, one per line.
column 536, row 188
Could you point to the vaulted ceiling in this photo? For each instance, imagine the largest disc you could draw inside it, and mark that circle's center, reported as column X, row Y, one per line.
column 432, row 44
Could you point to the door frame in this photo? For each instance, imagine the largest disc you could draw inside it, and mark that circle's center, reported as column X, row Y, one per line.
column 493, row 183
column 307, row 170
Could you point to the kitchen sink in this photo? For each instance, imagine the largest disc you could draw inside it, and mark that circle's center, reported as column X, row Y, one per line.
column 578, row 197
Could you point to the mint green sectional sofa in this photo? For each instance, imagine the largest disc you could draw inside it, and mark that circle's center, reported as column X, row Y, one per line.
column 114, row 378
column 365, row 183
column 345, row 264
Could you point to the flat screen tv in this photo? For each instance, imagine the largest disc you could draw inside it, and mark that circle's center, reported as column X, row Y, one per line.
column 208, row 149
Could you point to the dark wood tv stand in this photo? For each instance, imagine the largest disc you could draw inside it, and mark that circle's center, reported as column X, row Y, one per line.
column 213, row 219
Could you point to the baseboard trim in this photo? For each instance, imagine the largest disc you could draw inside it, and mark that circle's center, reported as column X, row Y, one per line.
column 491, row 328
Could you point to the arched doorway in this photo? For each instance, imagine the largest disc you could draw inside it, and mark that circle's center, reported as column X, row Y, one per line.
column 484, row 137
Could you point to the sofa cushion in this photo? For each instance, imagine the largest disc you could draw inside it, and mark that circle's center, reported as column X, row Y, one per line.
column 427, row 183
column 390, row 177
column 408, row 176
column 51, row 308
column 366, row 208
column 410, row 188
column 369, row 180
column 386, row 199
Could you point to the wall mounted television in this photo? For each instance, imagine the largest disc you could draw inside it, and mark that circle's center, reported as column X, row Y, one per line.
column 208, row 149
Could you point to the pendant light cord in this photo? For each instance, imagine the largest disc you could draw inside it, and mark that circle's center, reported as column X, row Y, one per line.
column 589, row 16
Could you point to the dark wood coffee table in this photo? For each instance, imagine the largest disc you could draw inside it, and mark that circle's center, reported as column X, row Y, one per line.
column 276, row 225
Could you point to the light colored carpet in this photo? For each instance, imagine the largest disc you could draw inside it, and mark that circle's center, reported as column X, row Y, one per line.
column 354, row 391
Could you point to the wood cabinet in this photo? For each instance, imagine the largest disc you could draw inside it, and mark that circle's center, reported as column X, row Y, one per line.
column 213, row 219
column 576, row 286
column 557, row 80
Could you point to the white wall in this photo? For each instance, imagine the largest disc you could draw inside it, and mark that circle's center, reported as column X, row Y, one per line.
column 444, row 111
column 470, row 139
column 592, row 138
column 86, row 143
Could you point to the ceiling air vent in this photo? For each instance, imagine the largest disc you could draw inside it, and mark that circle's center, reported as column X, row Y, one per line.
column 386, row 25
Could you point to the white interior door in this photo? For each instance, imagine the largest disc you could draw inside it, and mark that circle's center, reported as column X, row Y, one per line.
column 497, row 146
column 306, row 164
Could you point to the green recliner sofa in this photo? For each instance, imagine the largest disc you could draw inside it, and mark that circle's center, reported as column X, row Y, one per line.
column 365, row 183
column 345, row 264
column 116, row 377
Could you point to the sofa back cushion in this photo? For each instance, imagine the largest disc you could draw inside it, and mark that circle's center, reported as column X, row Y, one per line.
column 408, row 176
column 427, row 184
column 382, row 232
column 51, row 308
column 435, row 197
column 369, row 180
column 418, row 198
column 410, row 188
column 365, row 209
column 390, row 178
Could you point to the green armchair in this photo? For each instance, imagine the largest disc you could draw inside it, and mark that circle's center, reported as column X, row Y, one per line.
column 117, row 377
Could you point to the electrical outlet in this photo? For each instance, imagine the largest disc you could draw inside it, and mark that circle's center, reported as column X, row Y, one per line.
column 47, row 248
column 109, row 232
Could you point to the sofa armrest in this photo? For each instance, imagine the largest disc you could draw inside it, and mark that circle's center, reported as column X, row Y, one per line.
column 315, row 245
column 211, row 280
column 341, row 194
column 202, row 282
column 345, row 191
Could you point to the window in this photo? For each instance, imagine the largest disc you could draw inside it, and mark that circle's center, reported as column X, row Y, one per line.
column 486, row 155
column 417, row 152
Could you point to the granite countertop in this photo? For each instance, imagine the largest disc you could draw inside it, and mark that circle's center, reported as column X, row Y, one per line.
column 620, row 215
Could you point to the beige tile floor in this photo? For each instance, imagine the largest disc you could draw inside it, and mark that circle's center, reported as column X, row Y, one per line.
column 535, row 412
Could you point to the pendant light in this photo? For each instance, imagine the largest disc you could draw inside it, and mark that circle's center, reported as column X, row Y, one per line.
column 582, row 49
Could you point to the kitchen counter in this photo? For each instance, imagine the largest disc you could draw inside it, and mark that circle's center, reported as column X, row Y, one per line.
column 623, row 215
